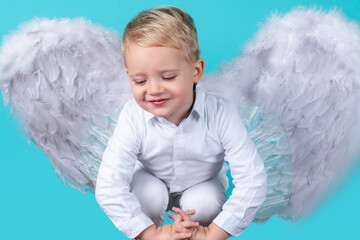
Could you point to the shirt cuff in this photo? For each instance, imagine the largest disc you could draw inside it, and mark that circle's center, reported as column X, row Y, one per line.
column 136, row 225
column 229, row 223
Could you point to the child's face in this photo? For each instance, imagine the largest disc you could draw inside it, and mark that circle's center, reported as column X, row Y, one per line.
column 162, row 80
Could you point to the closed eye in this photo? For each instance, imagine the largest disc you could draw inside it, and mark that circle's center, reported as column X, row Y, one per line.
column 139, row 82
column 169, row 78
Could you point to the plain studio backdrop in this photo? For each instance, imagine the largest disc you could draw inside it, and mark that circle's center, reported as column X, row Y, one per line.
column 35, row 204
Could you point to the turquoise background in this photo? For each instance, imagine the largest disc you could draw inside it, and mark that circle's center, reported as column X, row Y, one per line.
column 35, row 204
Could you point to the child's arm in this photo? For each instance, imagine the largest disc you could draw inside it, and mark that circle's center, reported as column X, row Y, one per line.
column 247, row 170
column 115, row 175
column 165, row 232
column 213, row 232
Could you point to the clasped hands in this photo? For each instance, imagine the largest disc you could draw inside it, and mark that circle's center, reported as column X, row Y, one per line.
column 183, row 228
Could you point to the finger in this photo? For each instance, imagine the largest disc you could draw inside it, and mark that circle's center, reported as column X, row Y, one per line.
column 177, row 218
column 175, row 209
column 180, row 236
column 177, row 221
column 190, row 212
column 184, row 215
column 180, row 229
column 189, row 224
column 172, row 216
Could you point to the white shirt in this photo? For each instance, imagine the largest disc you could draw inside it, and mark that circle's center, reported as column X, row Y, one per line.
column 181, row 156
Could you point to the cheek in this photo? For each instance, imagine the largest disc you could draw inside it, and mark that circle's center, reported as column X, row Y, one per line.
column 186, row 87
column 137, row 93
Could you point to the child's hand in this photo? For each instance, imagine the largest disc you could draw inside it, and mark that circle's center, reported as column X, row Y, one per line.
column 165, row 232
column 182, row 221
column 183, row 224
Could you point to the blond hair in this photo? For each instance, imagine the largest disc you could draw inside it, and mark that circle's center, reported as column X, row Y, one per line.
column 163, row 26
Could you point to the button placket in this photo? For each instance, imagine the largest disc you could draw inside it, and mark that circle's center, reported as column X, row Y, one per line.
column 178, row 154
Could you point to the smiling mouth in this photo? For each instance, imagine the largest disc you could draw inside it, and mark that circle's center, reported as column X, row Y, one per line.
column 158, row 102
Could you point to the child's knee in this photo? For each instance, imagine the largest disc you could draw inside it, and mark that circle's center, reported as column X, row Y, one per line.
column 153, row 202
column 152, row 195
column 207, row 206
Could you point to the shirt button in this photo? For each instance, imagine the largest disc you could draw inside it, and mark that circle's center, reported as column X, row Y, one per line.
column 179, row 164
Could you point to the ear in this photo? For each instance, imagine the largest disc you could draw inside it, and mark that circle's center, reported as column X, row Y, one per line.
column 199, row 66
column 127, row 72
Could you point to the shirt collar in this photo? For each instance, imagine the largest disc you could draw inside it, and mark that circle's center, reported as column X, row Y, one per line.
column 197, row 107
column 148, row 115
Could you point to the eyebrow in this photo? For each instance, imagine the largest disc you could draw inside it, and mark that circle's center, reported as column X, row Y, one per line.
column 136, row 75
column 170, row 71
column 140, row 74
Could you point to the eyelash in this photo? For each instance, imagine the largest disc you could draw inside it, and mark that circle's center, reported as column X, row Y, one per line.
column 140, row 82
column 169, row 78
column 144, row 81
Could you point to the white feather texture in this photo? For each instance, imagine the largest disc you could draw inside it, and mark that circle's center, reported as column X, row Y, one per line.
column 65, row 81
column 305, row 68
column 296, row 87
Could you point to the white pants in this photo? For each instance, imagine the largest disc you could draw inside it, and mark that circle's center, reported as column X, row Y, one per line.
column 207, row 198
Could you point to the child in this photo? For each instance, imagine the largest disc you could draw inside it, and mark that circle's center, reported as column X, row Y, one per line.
column 170, row 142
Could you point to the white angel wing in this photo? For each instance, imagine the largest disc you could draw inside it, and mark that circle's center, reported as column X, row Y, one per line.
column 304, row 69
column 65, row 81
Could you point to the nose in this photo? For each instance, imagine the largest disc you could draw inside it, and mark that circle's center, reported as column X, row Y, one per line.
column 154, row 87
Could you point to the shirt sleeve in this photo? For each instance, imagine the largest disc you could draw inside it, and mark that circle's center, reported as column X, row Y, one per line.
column 114, row 177
column 247, row 170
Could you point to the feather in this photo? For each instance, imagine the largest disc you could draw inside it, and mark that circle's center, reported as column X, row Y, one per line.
column 65, row 81
column 303, row 68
